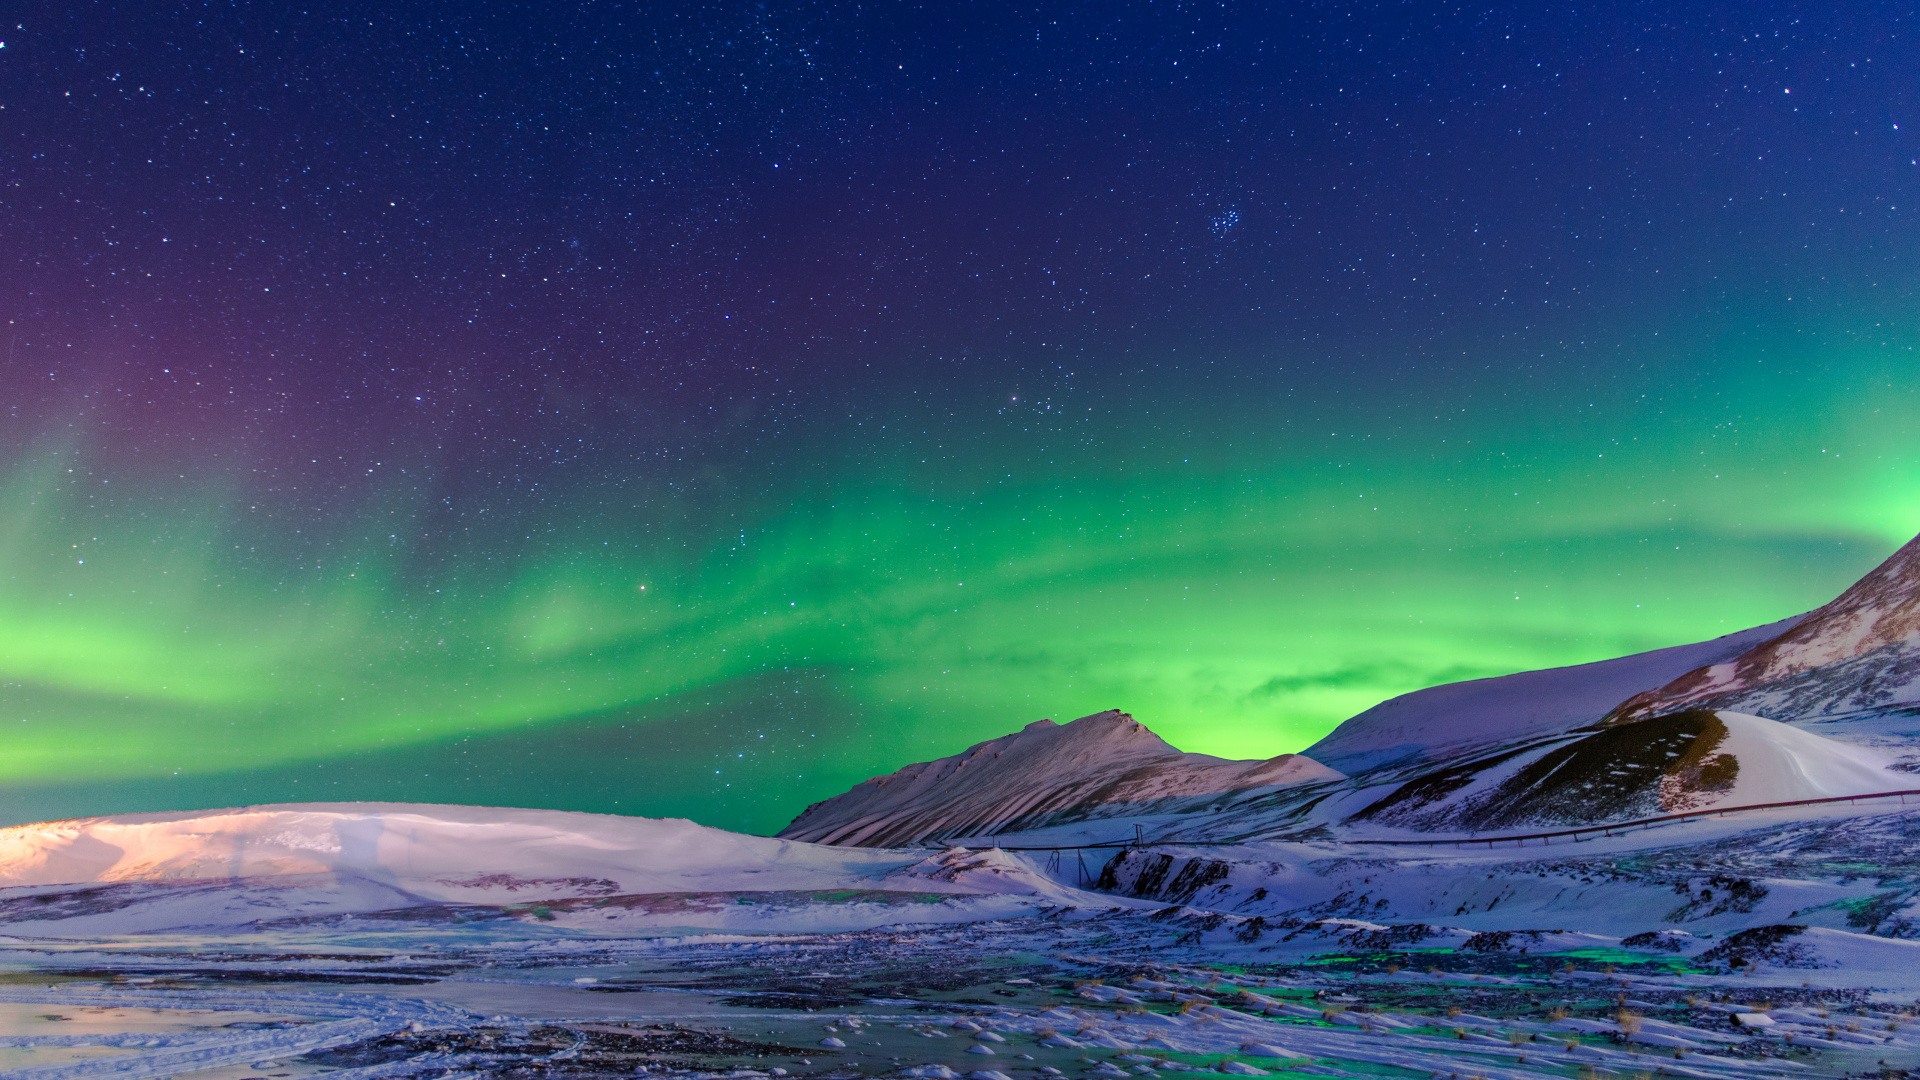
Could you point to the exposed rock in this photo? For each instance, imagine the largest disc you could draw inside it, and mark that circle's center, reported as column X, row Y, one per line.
column 1668, row 765
column 1861, row 651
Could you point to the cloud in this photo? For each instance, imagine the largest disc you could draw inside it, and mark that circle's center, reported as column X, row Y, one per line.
column 1389, row 673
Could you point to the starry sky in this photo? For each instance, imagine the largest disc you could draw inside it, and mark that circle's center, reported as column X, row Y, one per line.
column 696, row 409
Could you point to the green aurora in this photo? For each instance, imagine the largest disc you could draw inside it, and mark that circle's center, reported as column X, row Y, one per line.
column 1241, row 583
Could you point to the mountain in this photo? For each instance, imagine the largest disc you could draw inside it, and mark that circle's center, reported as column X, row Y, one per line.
column 1564, row 746
column 303, row 868
column 434, row 852
column 1101, row 766
column 1859, row 653
column 1443, row 722
column 1671, row 764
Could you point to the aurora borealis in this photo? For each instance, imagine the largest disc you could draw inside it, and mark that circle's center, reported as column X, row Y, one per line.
column 698, row 411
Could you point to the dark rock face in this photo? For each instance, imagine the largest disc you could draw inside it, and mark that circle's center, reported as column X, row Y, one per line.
column 1663, row 766
column 1771, row 945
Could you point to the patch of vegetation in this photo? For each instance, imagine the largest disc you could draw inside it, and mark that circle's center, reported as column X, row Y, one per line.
column 1769, row 944
column 1717, row 895
column 1664, row 765
column 595, row 1050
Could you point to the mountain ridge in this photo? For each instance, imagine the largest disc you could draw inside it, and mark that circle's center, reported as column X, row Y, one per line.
column 1445, row 721
column 1102, row 765
column 1861, row 650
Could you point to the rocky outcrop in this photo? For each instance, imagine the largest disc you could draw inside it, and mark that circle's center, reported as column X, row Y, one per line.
column 1859, row 652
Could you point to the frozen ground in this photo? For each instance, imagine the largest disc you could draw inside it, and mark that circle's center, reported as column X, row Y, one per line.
column 1752, row 946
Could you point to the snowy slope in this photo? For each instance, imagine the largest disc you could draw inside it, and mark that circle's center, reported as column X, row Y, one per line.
column 443, row 853
column 1672, row 764
column 1442, row 722
column 1860, row 652
column 1101, row 766
column 281, row 866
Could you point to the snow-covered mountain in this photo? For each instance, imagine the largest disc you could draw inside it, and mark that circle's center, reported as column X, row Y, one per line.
column 1687, row 761
column 1860, row 652
column 450, row 853
column 1680, row 762
column 433, row 865
column 1564, row 746
column 1101, row 766
column 1274, row 866
column 1445, row 722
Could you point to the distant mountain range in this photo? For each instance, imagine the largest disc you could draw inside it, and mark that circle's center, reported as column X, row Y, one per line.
column 1291, row 855
column 1820, row 705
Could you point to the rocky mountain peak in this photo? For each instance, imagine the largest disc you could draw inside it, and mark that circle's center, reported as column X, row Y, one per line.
column 1099, row 766
column 1874, row 624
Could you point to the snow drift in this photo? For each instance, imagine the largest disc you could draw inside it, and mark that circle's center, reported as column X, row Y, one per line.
column 1100, row 766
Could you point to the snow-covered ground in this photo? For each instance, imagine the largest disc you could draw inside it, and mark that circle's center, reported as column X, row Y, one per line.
column 1066, row 993
column 442, row 853
column 309, row 865
column 368, row 941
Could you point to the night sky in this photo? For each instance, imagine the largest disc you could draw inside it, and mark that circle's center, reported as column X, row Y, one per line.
column 697, row 409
